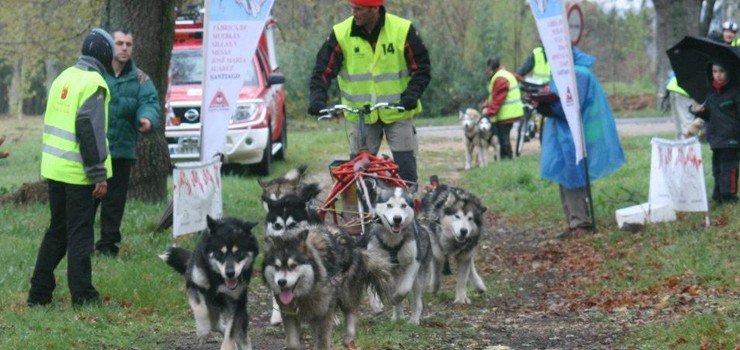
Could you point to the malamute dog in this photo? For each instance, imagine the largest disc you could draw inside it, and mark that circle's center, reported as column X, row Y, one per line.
column 216, row 274
column 286, row 200
column 454, row 218
column 488, row 137
column 398, row 236
column 315, row 269
column 480, row 134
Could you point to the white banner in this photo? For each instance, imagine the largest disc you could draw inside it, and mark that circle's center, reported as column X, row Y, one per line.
column 552, row 25
column 196, row 193
column 232, row 31
column 677, row 175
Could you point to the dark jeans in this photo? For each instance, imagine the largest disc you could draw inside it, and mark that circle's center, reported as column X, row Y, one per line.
column 725, row 172
column 504, row 139
column 70, row 233
column 113, row 205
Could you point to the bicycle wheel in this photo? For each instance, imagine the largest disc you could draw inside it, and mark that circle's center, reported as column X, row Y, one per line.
column 521, row 132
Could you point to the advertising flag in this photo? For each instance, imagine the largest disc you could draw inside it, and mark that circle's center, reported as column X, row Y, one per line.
column 232, row 31
column 677, row 175
column 552, row 25
column 196, row 193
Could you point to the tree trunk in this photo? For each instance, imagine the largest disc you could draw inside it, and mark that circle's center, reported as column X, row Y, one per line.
column 15, row 96
column 152, row 23
column 675, row 19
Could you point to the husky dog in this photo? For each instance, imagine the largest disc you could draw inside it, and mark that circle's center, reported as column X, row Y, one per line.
column 454, row 218
column 286, row 184
column 488, row 138
column 398, row 236
column 216, row 274
column 313, row 270
column 480, row 134
column 286, row 202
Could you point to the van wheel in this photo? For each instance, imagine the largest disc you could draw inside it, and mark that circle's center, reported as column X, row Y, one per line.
column 264, row 166
column 280, row 155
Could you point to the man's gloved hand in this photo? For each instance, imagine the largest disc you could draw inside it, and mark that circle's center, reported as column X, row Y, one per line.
column 408, row 103
column 315, row 107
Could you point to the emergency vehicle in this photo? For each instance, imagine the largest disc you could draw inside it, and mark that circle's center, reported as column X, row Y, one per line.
column 257, row 132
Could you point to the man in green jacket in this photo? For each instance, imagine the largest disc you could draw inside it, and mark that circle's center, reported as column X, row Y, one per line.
column 134, row 108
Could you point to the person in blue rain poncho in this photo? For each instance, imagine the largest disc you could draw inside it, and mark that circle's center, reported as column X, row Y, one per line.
column 604, row 151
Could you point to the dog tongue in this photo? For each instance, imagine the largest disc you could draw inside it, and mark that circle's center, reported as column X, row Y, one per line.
column 286, row 296
column 231, row 283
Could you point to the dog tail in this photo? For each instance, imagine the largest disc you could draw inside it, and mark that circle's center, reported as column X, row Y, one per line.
column 378, row 270
column 177, row 258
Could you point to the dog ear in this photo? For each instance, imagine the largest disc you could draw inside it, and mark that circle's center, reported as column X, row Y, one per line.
column 212, row 223
column 309, row 191
column 249, row 225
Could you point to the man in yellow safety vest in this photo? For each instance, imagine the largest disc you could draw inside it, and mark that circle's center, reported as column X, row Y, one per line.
column 75, row 160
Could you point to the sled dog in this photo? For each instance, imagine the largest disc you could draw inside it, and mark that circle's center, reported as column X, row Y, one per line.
column 314, row 270
column 480, row 134
column 454, row 217
column 397, row 235
column 216, row 274
column 286, row 201
column 488, row 137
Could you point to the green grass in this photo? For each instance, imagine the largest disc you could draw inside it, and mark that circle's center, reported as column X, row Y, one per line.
column 144, row 299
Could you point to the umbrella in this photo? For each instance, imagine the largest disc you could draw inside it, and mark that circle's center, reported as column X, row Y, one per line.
column 689, row 59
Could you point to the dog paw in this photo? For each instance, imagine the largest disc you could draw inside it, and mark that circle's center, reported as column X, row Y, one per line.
column 462, row 300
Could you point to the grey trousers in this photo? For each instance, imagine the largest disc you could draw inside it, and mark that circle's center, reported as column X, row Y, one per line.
column 401, row 138
column 575, row 206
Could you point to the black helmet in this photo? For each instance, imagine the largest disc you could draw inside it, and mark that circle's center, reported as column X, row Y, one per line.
column 99, row 45
column 730, row 25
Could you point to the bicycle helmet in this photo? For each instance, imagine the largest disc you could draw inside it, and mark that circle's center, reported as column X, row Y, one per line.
column 730, row 25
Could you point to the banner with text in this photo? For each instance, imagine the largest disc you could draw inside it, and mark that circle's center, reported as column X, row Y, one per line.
column 233, row 29
column 552, row 25
column 677, row 175
column 196, row 193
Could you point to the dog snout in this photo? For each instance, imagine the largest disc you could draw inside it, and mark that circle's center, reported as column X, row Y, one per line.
column 397, row 220
column 230, row 272
column 282, row 282
column 463, row 232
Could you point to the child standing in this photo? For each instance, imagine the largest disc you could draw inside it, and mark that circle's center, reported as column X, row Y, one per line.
column 722, row 110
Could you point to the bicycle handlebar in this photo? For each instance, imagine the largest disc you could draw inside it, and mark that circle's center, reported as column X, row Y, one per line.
column 329, row 111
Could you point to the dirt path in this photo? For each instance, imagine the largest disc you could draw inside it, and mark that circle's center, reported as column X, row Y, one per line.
column 532, row 301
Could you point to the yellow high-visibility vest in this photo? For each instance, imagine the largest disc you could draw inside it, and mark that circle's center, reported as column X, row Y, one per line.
column 61, row 159
column 512, row 107
column 673, row 86
column 541, row 68
column 368, row 77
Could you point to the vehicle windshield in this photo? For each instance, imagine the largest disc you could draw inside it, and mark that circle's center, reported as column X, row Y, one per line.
column 187, row 68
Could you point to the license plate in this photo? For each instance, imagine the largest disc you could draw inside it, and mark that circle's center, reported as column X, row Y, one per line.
column 186, row 145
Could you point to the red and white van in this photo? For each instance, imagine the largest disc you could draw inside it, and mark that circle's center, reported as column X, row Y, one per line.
column 257, row 131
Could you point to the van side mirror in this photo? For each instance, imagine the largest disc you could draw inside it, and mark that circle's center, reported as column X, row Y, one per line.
column 275, row 78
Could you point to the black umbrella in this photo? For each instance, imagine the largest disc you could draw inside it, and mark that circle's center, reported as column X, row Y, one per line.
column 689, row 59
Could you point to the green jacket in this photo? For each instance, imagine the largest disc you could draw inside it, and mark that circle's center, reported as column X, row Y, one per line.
column 133, row 97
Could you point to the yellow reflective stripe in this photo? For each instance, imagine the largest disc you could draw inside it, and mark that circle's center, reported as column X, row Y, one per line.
column 378, row 78
column 71, row 156
column 61, row 133
column 370, row 98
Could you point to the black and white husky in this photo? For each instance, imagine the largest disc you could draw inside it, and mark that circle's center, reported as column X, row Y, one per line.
column 313, row 270
column 286, row 200
column 397, row 235
column 454, row 217
column 216, row 274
